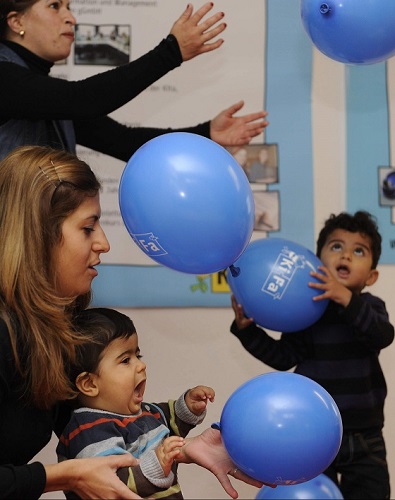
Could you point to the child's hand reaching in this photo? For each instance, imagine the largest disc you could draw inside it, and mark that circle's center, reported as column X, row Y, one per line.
column 167, row 451
column 241, row 320
column 197, row 398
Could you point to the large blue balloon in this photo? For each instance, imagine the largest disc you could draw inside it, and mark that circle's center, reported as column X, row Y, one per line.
column 187, row 203
column 281, row 428
column 351, row 31
column 271, row 283
column 318, row 488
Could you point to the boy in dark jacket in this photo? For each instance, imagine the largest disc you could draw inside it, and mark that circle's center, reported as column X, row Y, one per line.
column 341, row 350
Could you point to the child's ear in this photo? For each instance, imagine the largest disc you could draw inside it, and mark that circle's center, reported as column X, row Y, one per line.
column 86, row 384
column 373, row 277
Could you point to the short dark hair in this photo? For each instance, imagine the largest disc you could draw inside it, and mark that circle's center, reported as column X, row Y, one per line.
column 361, row 222
column 99, row 326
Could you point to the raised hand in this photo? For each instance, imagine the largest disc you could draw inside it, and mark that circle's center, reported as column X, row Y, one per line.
column 193, row 35
column 229, row 130
column 197, row 398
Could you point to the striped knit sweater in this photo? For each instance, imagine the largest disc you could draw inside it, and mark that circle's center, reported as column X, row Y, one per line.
column 97, row 433
column 340, row 352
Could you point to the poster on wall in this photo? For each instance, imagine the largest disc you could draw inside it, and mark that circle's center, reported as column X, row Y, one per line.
column 256, row 63
column 371, row 147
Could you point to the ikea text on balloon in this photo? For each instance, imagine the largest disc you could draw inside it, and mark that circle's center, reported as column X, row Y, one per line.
column 271, row 282
column 281, row 428
column 187, row 203
column 351, row 31
column 320, row 487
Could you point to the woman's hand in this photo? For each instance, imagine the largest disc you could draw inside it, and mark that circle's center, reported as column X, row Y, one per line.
column 91, row 477
column 208, row 451
column 193, row 38
column 229, row 130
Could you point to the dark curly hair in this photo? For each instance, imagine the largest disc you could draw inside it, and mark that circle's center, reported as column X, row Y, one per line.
column 361, row 222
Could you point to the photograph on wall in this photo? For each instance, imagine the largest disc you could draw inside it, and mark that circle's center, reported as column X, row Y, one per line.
column 102, row 44
column 267, row 210
column 386, row 179
column 259, row 162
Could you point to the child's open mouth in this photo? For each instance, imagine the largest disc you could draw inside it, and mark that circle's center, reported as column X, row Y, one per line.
column 343, row 271
column 139, row 390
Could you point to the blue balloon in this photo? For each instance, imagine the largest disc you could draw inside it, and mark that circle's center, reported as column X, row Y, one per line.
column 270, row 280
column 320, row 487
column 187, row 203
column 351, row 31
column 281, row 428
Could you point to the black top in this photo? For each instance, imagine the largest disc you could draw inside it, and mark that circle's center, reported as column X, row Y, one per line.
column 34, row 95
column 340, row 352
column 24, row 430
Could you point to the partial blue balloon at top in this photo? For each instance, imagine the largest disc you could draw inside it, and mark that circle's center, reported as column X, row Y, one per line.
column 187, row 203
column 351, row 31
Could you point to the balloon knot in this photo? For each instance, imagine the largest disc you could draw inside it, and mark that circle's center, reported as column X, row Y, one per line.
column 324, row 8
column 234, row 270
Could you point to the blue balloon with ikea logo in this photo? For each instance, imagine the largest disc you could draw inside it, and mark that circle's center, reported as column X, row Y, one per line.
column 271, row 281
column 187, row 203
column 351, row 31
